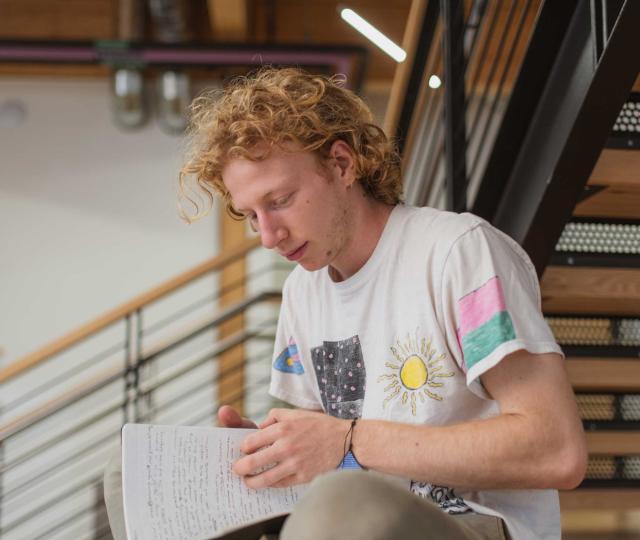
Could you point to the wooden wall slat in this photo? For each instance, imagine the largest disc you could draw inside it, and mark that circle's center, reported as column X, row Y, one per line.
column 614, row 443
column 604, row 374
column 617, row 167
column 602, row 499
column 591, row 291
column 616, row 202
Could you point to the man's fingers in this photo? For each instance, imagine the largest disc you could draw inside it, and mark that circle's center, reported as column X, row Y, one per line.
column 260, row 439
column 276, row 415
column 255, row 462
column 276, row 476
column 229, row 417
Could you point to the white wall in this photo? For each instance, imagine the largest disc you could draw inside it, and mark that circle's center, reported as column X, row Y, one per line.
column 88, row 220
column 87, row 212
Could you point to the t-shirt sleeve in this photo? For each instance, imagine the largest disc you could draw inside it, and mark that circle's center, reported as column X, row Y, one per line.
column 491, row 303
column 292, row 377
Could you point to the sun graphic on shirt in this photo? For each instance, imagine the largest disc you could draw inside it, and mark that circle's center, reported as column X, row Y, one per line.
column 416, row 372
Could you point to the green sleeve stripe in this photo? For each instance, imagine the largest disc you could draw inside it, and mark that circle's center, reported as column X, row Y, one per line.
column 482, row 341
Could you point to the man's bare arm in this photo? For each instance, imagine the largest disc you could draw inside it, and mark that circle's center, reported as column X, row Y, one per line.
column 536, row 442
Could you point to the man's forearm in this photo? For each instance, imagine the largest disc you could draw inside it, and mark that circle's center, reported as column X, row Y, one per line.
column 508, row 451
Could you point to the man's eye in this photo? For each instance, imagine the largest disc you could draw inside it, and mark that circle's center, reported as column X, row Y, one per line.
column 282, row 200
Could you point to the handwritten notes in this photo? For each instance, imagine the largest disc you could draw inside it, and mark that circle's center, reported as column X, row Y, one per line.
column 178, row 483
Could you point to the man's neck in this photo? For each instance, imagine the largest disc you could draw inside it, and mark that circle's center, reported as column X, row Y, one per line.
column 370, row 221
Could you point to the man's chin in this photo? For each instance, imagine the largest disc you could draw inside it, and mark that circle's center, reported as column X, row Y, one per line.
column 311, row 266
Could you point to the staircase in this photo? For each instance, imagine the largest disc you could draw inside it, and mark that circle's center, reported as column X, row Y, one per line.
column 591, row 298
column 538, row 134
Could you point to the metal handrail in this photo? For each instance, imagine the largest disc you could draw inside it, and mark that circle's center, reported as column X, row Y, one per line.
column 83, row 332
column 23, row 484
column 16, row 426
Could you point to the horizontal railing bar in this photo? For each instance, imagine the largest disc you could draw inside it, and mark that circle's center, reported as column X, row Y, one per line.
column 59, row 497
column 224, row 373
column 226, row 314
column 64, row 376
column 60, row 403
column 85, row 512
column 25, row 456
column 212, row 410
column 174, row 411
column 214, row 264
column 23, row 485
column 203, row 356
column 16, row 426
column 210, row 298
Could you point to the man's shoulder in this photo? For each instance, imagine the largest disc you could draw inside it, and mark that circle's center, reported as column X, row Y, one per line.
column 443, row 227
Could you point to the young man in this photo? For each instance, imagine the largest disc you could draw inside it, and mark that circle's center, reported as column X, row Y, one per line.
column 423, row 326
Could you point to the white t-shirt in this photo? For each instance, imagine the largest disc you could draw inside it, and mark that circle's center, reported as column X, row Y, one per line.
column 442, row 299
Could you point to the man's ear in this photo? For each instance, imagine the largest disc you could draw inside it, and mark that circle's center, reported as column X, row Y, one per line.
column 342, row 156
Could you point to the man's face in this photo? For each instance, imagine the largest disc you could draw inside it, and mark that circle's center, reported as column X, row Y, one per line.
column 299, row 208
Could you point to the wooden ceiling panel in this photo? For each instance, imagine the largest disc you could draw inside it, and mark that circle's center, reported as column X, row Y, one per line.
column 319, row 22
column 58, row 19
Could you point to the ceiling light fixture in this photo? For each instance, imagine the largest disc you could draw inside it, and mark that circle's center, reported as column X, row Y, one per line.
column 128, row 98
column 434, row 82
column 372, row 33
column 173, row 98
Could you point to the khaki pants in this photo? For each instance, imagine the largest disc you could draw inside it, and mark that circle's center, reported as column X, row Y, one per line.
column 354, row 505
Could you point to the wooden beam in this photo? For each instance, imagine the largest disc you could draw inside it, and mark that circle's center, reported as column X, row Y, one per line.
column 130, row 20
column 232, row 279
column 228, row 19
column 58, row 19
column 403, row 70
column 600, row 499
column 604, row 374
column 613, row 443
column 591, row 291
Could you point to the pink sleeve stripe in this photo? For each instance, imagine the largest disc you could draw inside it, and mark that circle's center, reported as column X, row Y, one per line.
column 479, row 306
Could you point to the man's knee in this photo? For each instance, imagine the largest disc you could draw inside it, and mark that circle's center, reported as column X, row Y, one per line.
column 362, row 505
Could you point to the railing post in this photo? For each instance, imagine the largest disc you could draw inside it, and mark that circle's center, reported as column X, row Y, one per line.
column 131, row 373
column 231, row 363
column 455, row 113
column 141, row 406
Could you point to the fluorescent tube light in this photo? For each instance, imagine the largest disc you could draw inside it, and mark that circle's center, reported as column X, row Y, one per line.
column 372, row 33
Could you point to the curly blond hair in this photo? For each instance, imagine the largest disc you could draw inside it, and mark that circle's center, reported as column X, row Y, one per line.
column 273, row 108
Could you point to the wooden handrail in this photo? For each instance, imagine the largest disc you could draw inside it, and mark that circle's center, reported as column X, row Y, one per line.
column 403, row 70
column 216, row 263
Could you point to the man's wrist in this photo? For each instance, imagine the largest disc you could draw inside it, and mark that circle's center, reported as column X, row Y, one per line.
column 349, row 460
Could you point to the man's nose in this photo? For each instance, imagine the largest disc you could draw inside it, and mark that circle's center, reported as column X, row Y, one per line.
column 271, row 232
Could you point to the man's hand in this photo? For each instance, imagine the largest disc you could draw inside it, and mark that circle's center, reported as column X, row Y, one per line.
column 229, row 417
column 292, row 447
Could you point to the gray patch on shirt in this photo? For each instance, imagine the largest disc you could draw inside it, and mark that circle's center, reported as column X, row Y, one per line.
column 341, row 376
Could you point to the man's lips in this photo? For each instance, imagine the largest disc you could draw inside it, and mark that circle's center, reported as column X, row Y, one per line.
column 296, row 253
